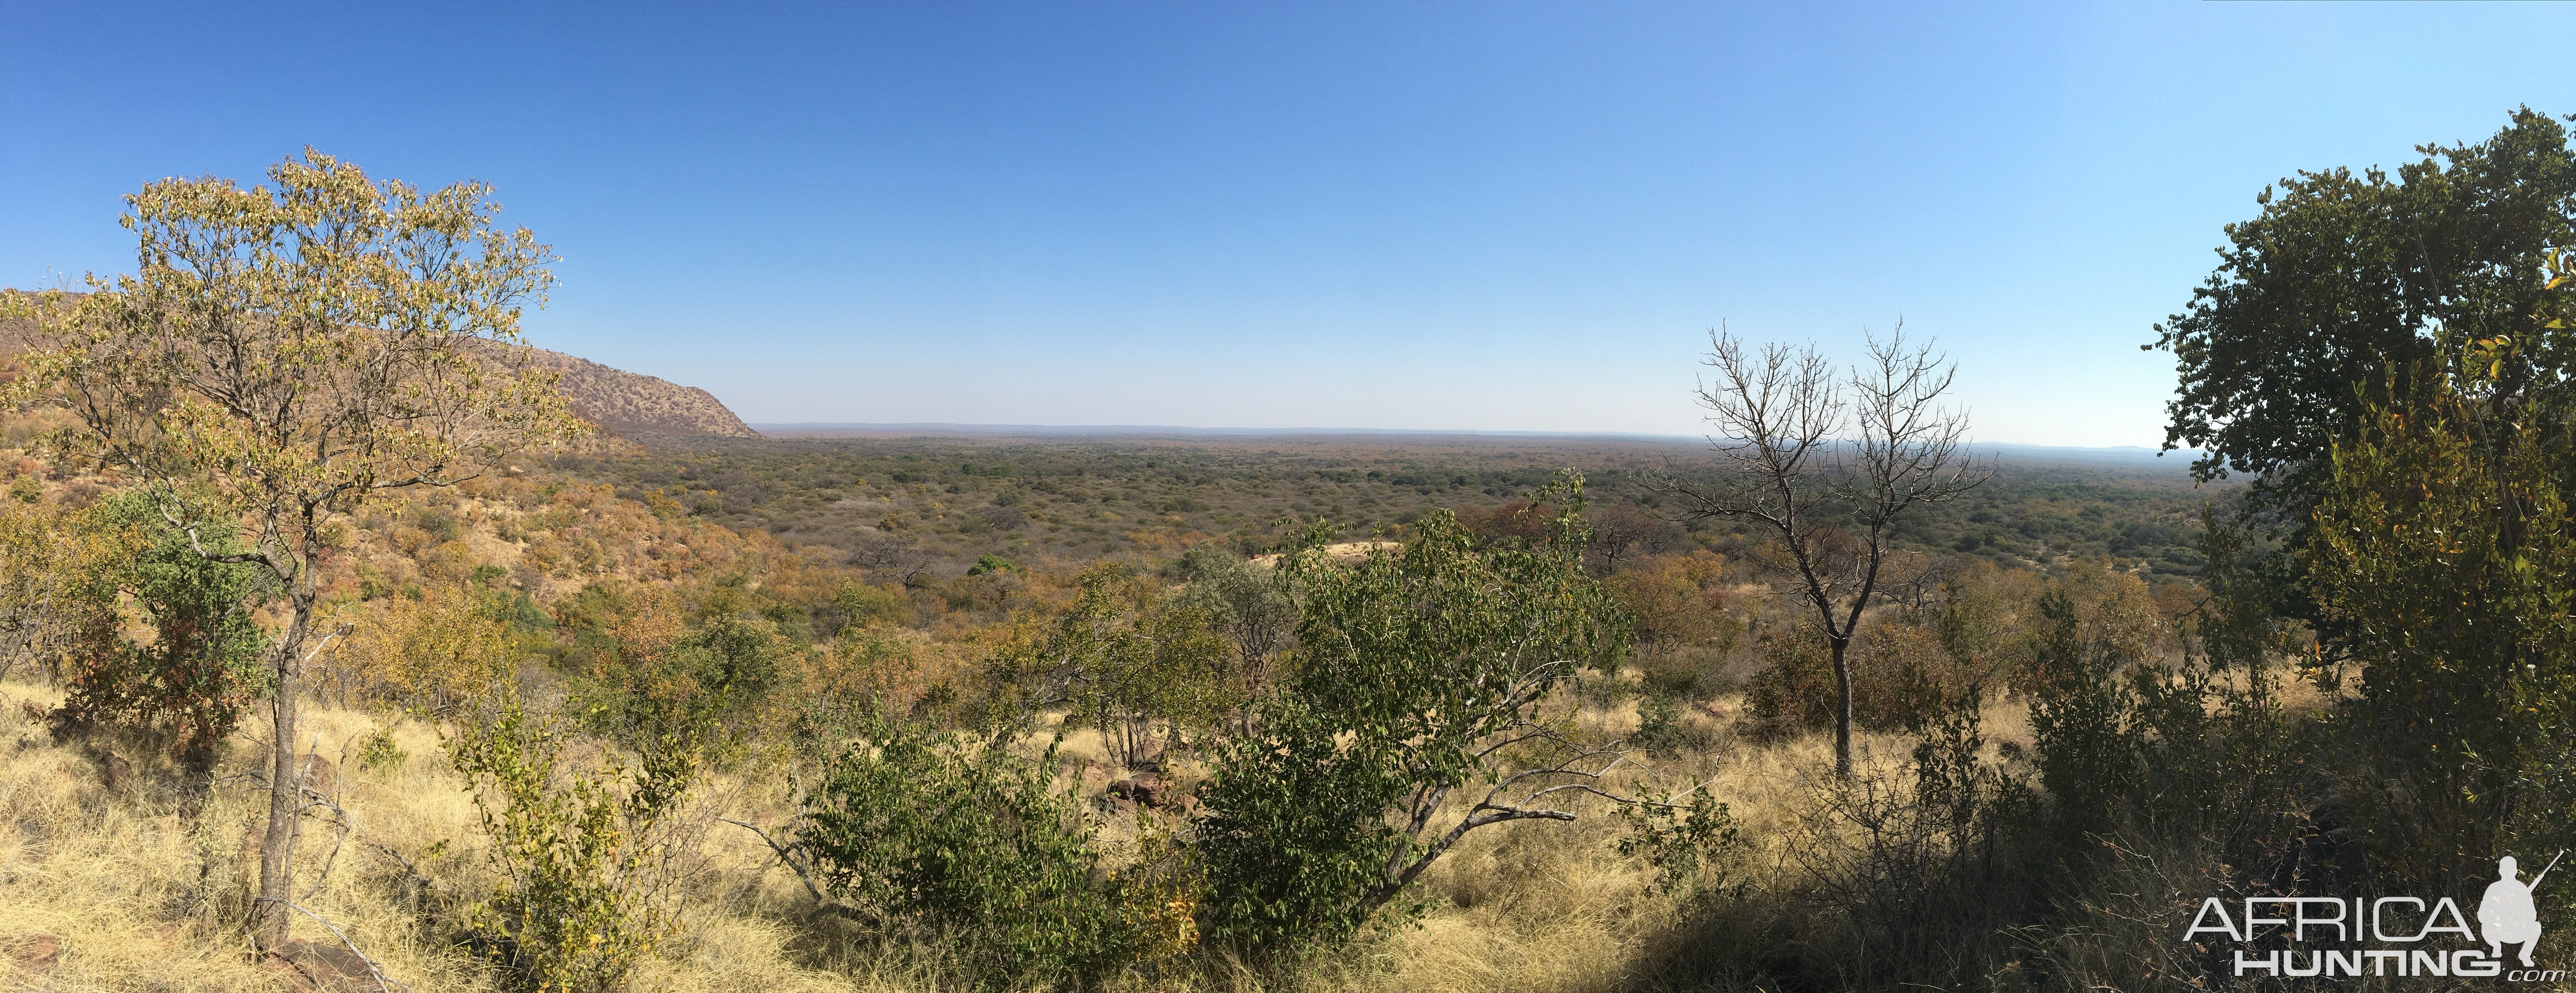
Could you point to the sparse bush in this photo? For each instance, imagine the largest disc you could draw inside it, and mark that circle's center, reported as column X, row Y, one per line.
column 586, row 851
column 431, row 655
column 862, row 605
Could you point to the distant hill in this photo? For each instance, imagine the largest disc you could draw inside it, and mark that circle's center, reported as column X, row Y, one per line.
column 630, row 404
column 623, row 403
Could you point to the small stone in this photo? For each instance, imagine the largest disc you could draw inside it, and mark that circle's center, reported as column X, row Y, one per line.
column 114, row 771
column 321, row 776
column 1145, row 790
column 38, row 953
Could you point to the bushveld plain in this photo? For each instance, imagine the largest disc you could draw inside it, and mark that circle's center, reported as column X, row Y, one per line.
column 854, row 566
column 350, row 644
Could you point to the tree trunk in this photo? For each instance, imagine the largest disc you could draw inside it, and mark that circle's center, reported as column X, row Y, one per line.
column 1842, row 707
column 269, row 915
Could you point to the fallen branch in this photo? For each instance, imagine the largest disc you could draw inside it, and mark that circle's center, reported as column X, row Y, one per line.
column 382, row 985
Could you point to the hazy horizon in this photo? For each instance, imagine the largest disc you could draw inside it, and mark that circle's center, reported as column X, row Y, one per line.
column 856, row 428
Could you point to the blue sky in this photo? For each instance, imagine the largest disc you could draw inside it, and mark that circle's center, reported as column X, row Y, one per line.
column 1499, row 216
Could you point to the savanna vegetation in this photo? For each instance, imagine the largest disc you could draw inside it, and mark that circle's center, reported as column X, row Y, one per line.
column 332, row 669
column 930, row 506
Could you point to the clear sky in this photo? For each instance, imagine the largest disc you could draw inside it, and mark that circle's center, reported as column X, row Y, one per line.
column 1484, row 215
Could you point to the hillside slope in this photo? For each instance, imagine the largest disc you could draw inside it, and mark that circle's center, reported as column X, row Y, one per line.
column 628, row 403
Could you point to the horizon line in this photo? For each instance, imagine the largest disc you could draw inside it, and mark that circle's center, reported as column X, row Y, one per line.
column 951, row 427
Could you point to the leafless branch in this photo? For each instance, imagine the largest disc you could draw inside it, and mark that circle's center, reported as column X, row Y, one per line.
column 784, row 856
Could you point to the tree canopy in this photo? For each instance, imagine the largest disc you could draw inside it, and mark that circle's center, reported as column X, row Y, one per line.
column 2345, row 275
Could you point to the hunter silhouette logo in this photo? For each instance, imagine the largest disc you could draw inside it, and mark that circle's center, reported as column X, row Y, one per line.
column 2507, row 915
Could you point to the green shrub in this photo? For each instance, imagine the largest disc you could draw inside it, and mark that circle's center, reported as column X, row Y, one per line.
column 973, row 846
column 201, row 667
column 1660, row 730
column 861, row 605
column 670, row 671
column 378, row 750
column 1419, row 672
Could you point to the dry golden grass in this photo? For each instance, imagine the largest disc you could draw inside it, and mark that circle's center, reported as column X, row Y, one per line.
column 142, row 896
column 142, row 892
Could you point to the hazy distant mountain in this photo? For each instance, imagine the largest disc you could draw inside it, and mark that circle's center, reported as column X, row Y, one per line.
column 629, row 404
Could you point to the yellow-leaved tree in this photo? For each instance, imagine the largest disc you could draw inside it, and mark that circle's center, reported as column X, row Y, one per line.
column 430, row 656
column 282, row 354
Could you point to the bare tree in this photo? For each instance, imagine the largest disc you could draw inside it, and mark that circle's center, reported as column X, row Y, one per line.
column 1831, row 502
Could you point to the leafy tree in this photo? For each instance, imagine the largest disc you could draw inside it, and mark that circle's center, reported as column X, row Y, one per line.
column 1163, row 667
column 282, row 355
column 2343, row 276
column 1418, row 673
column 1124, row 654
column 2392, row 354
column 1249, row 605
